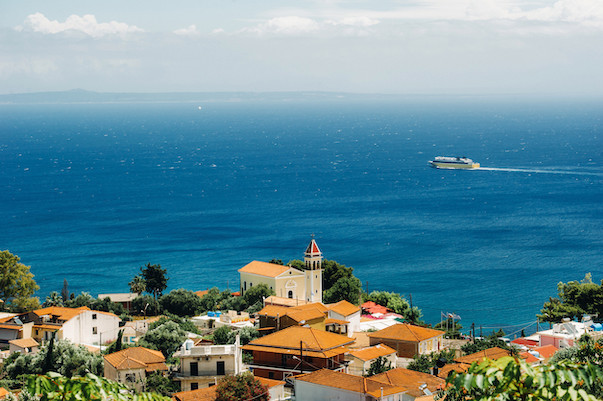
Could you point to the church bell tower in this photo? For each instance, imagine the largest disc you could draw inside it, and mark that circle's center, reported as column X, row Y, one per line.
column 313, row 262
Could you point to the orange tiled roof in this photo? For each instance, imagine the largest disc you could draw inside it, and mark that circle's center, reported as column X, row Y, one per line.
column 10, row 326
column 269, row 382
column 449, row 367
column 47, row 326
column 24, row 342
column 344, row 381
column 61, row 312
column 136, row 357
column 344, row 308
column 3, row 392
column 305, row 314
column 529, row 358
column 411, row 380
column 273, row 310
column 264, row 269
column 366, row 354
column 313, row 340
column 336, row 321
column 406, row 332
column 546, row 351
column 313, row 305
column 200, row 294
column 293, row 351
column 202, row 394
column 490, row 353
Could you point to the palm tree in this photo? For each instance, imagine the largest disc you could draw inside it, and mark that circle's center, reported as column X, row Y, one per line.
column 138, row 284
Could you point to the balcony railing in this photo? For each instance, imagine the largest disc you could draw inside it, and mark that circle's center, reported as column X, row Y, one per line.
column 206, row 350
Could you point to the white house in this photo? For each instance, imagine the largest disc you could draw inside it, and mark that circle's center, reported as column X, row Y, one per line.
column 78, row 325
column 340, row 312
column 202, row 365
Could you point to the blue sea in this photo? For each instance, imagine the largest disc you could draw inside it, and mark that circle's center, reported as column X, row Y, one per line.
column 92, row 192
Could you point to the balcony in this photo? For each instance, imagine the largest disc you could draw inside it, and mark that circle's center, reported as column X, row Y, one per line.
column 207, row 350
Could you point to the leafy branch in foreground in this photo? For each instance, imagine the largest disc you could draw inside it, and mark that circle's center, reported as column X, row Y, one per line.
column 54, row 387
column 509, row 378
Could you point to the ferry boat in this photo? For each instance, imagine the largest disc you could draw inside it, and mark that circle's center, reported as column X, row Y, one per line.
column 453, row 162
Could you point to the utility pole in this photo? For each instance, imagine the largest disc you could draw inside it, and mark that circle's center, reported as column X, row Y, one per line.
column 367, row 291
column 410, row 296
column 480, row 332
column 473, row 332
column 301, row 357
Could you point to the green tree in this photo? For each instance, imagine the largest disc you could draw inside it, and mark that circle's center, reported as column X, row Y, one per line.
column 155, row 278
column 65, row 291
column 59, row 356
column 17, row 284
column 276, row 261
column 222, row 335
column 241, row 387
column 53, row 299
column 55, row 387
column 511, row 378
column 146, row 305
column 379, row 365
column 167, row 338
column 347, row 288
column 211, row 300
column 489, row 342
column 257, row 293
column 234, row 303
column 246, row 335
column 83, row 299
column 138, row 285
column 396, row 303
column 426, row 362
column 157, row 383
column 333, row 272
column 575, row 299
column 298, row 264
column 184, row 323
column 181, row 302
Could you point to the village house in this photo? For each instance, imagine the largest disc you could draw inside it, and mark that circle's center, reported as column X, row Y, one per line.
column 326, row 384
column 361, row 359
column 273, row 318
column 78, row 325
column 123, row 298
column 287, row 281
column 343, row 318
column 420, row 386
column 566, row 333
column 131, row 366
column 202, row 364
column 409, row 340
column 13, row 328
column 296, row 350
column 24, row 346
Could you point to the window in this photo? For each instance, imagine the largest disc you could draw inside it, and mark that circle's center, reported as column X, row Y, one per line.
column 94, row 316
column 130, row 377
column 220, row 370
column 194, row 386
column 290, row 294
column 244, row 285
column 94, row 330
column 271, row 375
column 194, row 369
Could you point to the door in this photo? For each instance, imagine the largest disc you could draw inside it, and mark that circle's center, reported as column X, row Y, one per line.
column 220, row 368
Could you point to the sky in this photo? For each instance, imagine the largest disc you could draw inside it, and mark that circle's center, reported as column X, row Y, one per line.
column 542, row 47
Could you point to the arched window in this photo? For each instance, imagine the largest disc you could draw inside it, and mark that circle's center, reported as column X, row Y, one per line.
column 290, row 294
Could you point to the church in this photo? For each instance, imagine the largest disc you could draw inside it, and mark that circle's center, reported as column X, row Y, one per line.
column 287, row 281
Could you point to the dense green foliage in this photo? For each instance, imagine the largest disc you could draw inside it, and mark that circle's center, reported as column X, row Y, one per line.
column 85, row 299
column 181, row 302
column 165, row 337
column 158, row 383
column 379, row 365
column 347, row 288
column 17, row 284
column 396, row 303
column 146, row 305
column 426, row 362
column 137, row 285
column 221, row 335
column 576, row 298
column 493, row 340
column 54, row 387
column 509, row 378
column 241, row 387
column 57, row 356
column 256, row 294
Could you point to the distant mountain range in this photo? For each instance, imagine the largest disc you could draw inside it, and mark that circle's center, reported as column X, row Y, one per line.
column 84, row 96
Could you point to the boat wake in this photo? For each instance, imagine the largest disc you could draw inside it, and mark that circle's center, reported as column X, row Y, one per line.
column 528, row 170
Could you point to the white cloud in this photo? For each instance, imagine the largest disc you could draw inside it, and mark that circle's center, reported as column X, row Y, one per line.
column 87, row 24
column 291, row 25
column 358, row 21
column 190, row 31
